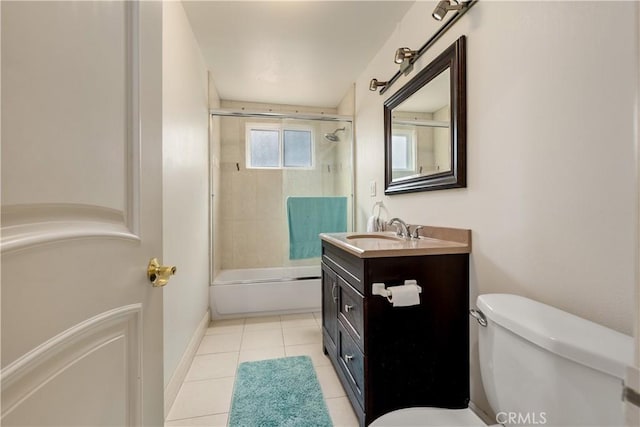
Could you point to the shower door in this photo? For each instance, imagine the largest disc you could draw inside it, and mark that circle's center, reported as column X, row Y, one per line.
column 265, row 162
column 325, row 187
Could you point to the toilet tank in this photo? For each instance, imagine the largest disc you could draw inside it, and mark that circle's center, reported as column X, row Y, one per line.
column 544, row 366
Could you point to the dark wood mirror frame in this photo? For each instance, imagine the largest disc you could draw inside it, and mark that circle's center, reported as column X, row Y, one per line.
column 454, row 58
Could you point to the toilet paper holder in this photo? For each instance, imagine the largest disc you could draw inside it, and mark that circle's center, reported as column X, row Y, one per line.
column 381, row 289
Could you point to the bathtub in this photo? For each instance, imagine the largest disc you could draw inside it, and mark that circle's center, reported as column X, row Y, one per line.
column 255, row 291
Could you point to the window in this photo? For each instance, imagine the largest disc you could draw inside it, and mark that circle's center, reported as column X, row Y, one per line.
column 264, row 148
column 403, row 150
column 275, row 146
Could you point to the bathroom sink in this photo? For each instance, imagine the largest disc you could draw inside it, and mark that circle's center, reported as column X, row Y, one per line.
column 377, row 244
column 374, row 236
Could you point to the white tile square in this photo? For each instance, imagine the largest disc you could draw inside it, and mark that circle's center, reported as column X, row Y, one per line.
column 318, row 316
column 218, row 420
column 199, row 398
column 262, row 323
column 341, row 412
column 262, row 339
column 215, row 365
column 298, row 320
column 231, row 326
column 306, row 335
column 295, row 316
column 329, row 382
column 223, row 343
column 314, row 351
column 261, row 354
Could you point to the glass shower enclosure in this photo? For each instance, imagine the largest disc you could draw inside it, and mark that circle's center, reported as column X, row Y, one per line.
column 284, row 178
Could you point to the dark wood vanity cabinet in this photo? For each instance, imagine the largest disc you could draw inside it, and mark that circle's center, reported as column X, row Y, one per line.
column 391, row 358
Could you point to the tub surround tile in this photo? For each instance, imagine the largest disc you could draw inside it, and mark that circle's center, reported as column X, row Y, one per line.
column 223, row 343
column 244, row 201
column 269, row 242
column 269, row 195
column 227, row 242
column 231, row 154
column 199, row 398
column 244, row 250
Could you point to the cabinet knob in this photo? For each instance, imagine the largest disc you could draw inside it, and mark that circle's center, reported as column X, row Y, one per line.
column 348, row 357
column 348, row 308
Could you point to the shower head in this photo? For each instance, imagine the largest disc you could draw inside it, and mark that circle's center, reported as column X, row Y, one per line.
column 332, row 137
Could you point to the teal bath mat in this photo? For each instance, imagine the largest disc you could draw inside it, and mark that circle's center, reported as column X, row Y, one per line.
column 278, row 392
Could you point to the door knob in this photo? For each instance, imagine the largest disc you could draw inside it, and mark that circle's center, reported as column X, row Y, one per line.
column 159, row 275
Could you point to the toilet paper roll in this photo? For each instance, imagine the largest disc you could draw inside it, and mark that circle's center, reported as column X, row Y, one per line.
column 404, row 296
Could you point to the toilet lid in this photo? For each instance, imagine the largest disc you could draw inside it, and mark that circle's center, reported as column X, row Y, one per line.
column 429, row 417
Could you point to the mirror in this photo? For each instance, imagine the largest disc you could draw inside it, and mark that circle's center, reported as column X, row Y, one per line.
column 425, row 127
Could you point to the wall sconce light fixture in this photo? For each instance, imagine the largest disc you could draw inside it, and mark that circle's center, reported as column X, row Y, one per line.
column 404, row 53
column 375, row 84
column 444, row 6
column 403, row 56
column 406, row 57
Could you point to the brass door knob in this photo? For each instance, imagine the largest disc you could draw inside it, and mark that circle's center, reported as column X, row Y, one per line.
column 159, row 275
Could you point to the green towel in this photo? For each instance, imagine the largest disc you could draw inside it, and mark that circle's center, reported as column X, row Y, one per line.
column 310, row 216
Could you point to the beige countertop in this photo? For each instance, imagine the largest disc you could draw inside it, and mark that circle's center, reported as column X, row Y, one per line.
column 432, row 241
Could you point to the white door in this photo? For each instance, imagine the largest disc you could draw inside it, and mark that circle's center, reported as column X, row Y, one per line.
column 81, row 213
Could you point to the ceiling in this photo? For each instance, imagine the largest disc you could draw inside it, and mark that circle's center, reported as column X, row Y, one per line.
column 304, row 53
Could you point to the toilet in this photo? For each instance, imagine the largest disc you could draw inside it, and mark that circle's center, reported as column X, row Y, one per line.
column 539, row 366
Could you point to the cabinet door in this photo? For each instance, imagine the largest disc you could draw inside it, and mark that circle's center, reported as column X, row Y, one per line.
column 330, row 303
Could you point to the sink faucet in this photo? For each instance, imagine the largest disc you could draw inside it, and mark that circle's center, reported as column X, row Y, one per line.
column 402, row 230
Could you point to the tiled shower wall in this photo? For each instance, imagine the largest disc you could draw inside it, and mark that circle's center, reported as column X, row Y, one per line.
column 254, row 229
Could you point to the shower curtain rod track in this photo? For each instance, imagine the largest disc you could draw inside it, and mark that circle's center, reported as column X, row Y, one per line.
column 279, row 115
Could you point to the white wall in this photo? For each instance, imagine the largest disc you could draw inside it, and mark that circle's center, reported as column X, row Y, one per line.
column 185, row 184
column 552, row 191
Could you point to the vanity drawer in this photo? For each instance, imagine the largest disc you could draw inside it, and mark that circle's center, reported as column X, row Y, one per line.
column 351, row 311
column 350, row 267
column 351, row 361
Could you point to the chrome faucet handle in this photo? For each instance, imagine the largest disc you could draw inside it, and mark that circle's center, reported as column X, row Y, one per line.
column 415, row 234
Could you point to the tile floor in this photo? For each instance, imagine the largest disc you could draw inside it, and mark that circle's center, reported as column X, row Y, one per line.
column 205, row 396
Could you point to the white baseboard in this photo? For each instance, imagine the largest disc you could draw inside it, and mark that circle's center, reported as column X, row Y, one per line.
column 173, row 387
